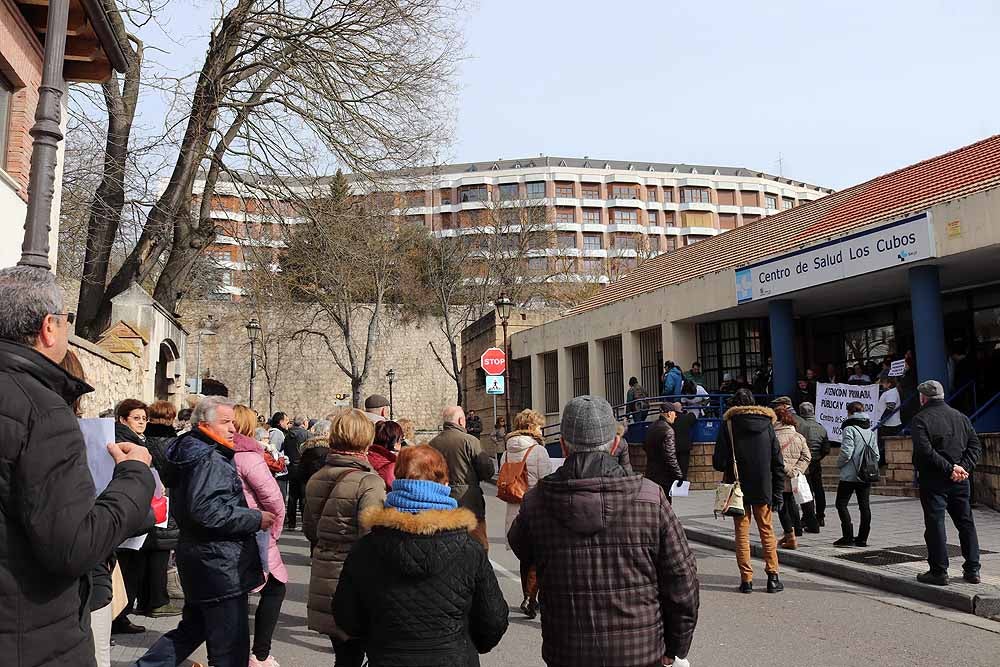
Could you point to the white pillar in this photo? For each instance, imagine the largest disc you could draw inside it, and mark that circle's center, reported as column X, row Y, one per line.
column 537, row 384
column 565, row 376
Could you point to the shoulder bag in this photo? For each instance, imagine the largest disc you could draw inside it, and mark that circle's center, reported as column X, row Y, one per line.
column 729, row 497
column 512, row 482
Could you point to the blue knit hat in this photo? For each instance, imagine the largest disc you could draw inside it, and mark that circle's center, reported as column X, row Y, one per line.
column 417, row 495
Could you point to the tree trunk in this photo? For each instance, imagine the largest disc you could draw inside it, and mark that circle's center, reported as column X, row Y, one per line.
column 356, row 393
column 456, row 370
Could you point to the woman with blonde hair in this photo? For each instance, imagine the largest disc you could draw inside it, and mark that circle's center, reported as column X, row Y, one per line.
column 261, row 492
column 335, row 498
column 525, row 449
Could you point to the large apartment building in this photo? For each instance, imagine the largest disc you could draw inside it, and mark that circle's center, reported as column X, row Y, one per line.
column 595, row 209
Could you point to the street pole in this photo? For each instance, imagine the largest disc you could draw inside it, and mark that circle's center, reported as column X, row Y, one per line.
column 197, row 376
column 506, row 373
column 253, row 368
column 392, row 414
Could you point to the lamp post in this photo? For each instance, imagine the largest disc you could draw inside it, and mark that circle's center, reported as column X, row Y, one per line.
column 253, row 333
column 504, row 305
column 391, row 377
column 201, row 332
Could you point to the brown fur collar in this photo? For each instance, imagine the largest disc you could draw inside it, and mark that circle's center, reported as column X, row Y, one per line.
column 423, row 523
column 321, row 441
column 527, row 434
column 751, row 410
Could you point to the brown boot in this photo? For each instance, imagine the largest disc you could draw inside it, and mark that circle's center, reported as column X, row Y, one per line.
column 789, row 541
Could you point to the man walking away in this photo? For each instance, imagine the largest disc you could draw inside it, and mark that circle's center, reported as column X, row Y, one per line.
column 588, row 528
column 52, row 529
column 217, row 555
column 377, row 408
column 297, row 436
column 661, row 450
column 819, row 447
column 945, row 452
column 467, row 467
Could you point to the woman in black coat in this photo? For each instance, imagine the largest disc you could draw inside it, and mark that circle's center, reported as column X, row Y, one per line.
column 418, row 589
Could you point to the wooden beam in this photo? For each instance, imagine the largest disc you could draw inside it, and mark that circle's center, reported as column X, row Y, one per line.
column 37, row 17
column 82, row 49
column 87, row 72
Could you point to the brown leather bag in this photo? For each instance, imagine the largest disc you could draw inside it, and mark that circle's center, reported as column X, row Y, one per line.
column 512, row 482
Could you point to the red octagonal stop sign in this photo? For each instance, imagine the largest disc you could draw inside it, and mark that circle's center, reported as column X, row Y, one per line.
column 494, row 361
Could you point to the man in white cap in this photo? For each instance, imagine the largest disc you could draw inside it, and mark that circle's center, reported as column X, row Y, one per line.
column 945, row 452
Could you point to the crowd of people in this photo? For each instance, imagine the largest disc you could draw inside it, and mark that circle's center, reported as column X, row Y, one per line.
column 399, row 566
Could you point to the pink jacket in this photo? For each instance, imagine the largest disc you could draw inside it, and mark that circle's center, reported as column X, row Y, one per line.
column 262, row 492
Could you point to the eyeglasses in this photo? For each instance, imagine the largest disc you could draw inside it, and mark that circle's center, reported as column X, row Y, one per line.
column 70, row 317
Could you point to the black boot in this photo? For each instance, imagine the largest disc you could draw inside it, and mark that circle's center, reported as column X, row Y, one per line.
column 848, row 539
column 774, row 584
column 746, row 587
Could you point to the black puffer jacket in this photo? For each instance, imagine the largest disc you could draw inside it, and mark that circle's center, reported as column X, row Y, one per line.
column 52, row 530
column 217, row 555
column 158, row 438
column 943, row 437
column 420, row 591
column 758, row 455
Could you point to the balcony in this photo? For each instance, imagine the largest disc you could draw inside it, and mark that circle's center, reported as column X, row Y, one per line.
column 623, row 203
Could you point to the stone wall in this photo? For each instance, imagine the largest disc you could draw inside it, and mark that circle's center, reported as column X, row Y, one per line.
column 112, row 379
column 987, row 473
column 306, row 378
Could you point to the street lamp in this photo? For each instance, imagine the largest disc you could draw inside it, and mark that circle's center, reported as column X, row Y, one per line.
column 201, row 332
column 391, row 377
column 253, row 333
column 504, row 306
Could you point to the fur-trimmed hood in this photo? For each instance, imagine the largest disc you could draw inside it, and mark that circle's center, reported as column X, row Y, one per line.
column 311, row 443
column 756, row 410
column 418, row 545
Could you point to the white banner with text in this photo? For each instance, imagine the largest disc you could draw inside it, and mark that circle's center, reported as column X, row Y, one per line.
column 832, row 400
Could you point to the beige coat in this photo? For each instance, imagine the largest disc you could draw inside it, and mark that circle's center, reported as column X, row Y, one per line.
column 794, row 452
column 331, row 522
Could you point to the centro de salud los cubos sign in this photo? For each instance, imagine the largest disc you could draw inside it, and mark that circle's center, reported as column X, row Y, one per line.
column 901, row 242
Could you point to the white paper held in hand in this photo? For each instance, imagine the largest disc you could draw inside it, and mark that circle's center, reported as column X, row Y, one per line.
column 679, row 488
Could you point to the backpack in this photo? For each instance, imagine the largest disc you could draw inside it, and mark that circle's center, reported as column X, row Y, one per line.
column 512, row 482
column 867, row 463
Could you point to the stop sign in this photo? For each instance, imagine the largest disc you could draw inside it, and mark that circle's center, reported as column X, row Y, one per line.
column 494, row 361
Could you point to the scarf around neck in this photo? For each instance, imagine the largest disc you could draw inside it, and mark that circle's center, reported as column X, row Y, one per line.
column 417, row 495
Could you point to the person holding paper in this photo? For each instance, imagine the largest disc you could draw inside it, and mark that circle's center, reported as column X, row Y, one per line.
column 217, row 556
column 53, row 531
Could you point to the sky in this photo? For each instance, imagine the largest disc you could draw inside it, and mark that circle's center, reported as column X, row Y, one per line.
column 832, row 93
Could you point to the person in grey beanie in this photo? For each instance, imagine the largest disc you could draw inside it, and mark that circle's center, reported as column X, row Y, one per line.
column 946, row 450
column 590, row 526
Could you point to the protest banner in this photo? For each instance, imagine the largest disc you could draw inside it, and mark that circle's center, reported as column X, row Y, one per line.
column 832, row 400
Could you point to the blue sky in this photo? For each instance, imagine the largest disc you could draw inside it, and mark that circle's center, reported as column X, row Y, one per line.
column 843, row 91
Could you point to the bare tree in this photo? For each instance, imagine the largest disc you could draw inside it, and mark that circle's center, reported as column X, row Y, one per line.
column 626, row 253
column 283, row 84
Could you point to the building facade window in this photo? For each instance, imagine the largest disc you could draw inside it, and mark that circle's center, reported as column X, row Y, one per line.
column 593, row 267
column 550, row 364
column 668, row 195
column 653, row 217
column 590, row 191
column 6, row 94
column 623, row 192
column 626, row 242
column 565, row 215
column 564, row 190
column 593, row 241
column 508, row 191
column 614, row 383
column 771, row 202
column 566, row 240
column 651, row 193
column 624, row 216
column 695, row 196
column 733, row 346
column 727, row 221
column 787, row 203
column 538, row 265
column 592, row 216
column 726, row 197
column 581, row 370
column 474, row 193
column 650, row 360
column 536, row 190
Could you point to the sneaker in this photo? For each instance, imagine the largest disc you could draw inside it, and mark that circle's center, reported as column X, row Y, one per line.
column 774, row 584
column 166, row 610
column 126, row 627
column 746, row 587
column 933, row 579
column 972, row 578
column 844, row 542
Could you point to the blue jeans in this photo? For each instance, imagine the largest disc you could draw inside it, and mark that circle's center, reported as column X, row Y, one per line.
column 936, row 496
column 223, row 626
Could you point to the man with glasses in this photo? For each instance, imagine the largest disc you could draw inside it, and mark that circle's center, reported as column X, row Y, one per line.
column 53, row 530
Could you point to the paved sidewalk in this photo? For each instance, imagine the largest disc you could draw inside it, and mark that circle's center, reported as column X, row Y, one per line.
column 897, row 527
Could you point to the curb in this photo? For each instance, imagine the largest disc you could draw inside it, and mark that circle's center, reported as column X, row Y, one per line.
column 986, row 606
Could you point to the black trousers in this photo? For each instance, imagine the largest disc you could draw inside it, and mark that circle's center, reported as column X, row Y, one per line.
column 684, row 460
column 815, row 478
column 224, row 627
column 844, row 492
column 145, row 575
column 265, row 619
column 296, row 501
column 789, row 516
column 936, row 498
column 345, row 654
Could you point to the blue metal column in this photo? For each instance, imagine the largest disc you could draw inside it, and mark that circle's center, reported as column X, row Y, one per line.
column 928, row 325
column 782, row 346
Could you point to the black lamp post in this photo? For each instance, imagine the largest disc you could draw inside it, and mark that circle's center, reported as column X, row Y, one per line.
column 391, row 377
column 504, row 306
column 253, row 333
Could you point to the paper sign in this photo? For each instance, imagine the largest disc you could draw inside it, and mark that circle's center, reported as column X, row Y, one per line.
column 832, row 400
column 97, row 435
column 679, row 488
column 133, row 543
column 263, row 545
column 898, row 369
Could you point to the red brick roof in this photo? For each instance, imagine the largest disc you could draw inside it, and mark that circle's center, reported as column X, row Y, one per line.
column 908, row 190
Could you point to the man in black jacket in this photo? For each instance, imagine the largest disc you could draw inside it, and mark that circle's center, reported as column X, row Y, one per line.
column 217, row 554
column 296, row 437
column 945, row 452
column 661, row 450
column 52, row 529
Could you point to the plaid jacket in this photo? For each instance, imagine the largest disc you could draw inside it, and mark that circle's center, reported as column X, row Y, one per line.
column 618, row 582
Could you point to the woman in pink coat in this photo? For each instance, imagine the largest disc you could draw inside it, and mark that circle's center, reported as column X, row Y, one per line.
column 262, row 492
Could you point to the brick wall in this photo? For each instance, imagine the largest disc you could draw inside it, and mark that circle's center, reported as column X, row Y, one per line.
column 21, row 64
column 112, row 379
